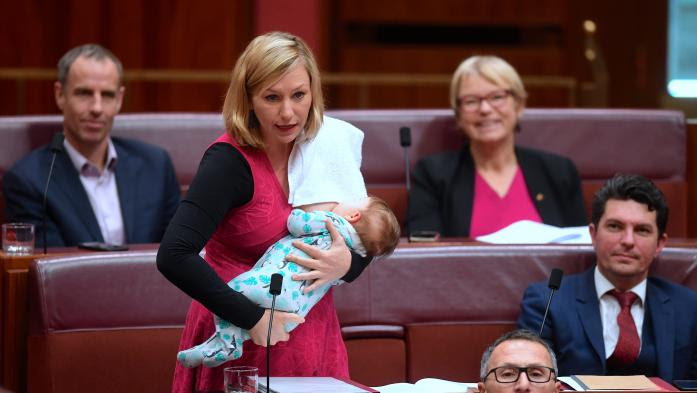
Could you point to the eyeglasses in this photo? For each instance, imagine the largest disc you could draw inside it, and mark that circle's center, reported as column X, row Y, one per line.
column 510, row 374
column 473, row 103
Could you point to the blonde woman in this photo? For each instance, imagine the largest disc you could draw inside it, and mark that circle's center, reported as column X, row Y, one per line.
column 237, row 207
column 490, row 182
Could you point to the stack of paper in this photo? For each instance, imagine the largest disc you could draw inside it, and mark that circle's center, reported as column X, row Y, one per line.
column 427, row 385
column 309, row 384
column 609, row 382
column 530, row 232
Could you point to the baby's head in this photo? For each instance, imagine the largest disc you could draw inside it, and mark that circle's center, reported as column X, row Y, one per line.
column 374, row 222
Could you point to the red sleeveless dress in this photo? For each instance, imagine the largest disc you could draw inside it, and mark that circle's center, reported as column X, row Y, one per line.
column 315, row 347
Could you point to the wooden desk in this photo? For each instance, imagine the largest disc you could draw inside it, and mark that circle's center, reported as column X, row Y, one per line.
column 13, row 313
column 13, row 319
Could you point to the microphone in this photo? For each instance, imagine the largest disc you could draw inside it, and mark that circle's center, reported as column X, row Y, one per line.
column 554, row 284
column 274, row 290
column 405, row 141
column 56, row 147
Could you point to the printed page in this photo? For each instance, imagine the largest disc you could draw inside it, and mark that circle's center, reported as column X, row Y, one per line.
column 530, row 232
column 427, row 385
column 309, row 384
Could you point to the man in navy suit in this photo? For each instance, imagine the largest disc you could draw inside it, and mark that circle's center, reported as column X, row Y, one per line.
column 102, row 189
column 613, row 319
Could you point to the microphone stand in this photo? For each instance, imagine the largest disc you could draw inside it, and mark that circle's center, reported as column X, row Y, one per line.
column 405, row 141
column 274, row 290
column 56, row 146
column 549, row 302
column 554, row 284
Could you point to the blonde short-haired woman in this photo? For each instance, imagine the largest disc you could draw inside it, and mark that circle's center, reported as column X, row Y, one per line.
column 490, row 182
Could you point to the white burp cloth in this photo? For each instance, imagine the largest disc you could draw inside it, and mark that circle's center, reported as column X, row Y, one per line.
column 327, row 168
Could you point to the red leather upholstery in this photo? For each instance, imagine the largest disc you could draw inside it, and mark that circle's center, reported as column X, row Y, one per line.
column 102, row 320
column 111, row 320
column 453, row 301
column 601, row 142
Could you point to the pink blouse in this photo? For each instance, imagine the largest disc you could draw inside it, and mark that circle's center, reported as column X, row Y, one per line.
column 490, row 212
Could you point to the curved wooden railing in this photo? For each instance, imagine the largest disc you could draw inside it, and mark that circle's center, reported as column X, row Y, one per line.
column 364, row 81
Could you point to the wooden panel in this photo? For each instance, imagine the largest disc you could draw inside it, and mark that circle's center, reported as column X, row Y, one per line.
column 178, row 34
column 632, row 36
column 362, row 353
column 14, row 340
column 430, row 344
column 11, row 285
column 453, row 11
column 160, row 34
column 13, row 319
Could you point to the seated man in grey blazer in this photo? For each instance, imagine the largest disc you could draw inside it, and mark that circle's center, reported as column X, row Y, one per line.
column 103, row 189
column 614, row 319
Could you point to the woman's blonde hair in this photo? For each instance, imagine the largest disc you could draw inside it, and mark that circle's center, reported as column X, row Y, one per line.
column 265, row 60
column 494, row 70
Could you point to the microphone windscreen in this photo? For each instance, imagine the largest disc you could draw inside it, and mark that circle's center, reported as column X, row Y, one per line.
column 405, row 136
column 555, row 278
column 57, row 142
column 276, row 284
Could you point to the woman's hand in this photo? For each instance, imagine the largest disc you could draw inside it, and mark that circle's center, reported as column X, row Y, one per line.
column 325, row 265
column 259, row 332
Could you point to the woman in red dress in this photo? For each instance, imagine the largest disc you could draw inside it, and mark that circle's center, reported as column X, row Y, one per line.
column 237, row 206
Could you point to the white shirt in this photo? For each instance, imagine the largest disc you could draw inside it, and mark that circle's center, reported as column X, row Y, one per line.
column 101, row 191
column 610, row 308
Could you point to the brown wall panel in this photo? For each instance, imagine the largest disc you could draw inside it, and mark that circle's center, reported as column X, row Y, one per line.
column 145, row 35
column 540, row 38
column 454, row 11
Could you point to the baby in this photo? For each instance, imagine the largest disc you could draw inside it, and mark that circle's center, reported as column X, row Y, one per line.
column 368, row 227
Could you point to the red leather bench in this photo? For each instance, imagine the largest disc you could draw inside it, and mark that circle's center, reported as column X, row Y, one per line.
column 434, row 309
column 601, row 142
column 112, row 320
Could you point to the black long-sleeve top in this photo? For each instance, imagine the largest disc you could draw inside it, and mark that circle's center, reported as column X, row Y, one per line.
column 223, row 182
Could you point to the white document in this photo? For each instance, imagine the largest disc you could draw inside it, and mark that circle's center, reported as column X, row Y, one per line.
column 427, row 385
column 309, row 384
column 530, row 232
column 572, row 383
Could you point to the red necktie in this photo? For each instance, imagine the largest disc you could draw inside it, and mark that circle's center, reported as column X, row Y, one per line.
column 628, row 344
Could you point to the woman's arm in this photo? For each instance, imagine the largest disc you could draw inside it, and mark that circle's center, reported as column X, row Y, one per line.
column 575, row 210
column 223, row 181
column 424, row 209
column 328, row 265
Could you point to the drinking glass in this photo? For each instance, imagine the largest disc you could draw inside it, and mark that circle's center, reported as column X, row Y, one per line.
column 241, row 379
column 18, row 238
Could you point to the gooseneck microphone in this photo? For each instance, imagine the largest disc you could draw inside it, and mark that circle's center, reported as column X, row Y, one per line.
column 554, row 284
column 405, row 141
column 56, row 147
column 274, row 290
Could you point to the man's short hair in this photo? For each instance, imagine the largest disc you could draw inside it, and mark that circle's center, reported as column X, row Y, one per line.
column 637, row 188
column 520, row 334
column 90, row 51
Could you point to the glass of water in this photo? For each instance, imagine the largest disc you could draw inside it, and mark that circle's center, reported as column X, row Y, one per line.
column 241, row 379
column 18, row 238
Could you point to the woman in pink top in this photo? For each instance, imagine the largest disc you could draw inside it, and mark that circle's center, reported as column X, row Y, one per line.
column 491, row 183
